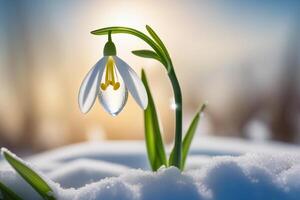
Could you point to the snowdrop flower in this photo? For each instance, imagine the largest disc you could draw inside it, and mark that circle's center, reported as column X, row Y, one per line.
column 110, row 79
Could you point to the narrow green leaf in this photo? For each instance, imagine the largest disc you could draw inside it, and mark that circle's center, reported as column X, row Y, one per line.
column 171, row 158
column 188, row 138
column 160, row 43
column 190, row 135
column 154, row 143
column 29, row 175
column 7, row 193
column 146, row 54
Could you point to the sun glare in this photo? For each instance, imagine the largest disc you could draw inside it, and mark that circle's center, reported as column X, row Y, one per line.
column 124, row 15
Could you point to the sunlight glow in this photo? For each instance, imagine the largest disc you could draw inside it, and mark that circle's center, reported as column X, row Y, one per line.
column 125, row 15
column 95, row 134
column 173, row 105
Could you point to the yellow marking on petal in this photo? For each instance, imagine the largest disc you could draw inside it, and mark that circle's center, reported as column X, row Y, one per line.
column 110, row 75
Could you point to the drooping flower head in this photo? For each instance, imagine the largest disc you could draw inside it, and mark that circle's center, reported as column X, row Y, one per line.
column 110, row 79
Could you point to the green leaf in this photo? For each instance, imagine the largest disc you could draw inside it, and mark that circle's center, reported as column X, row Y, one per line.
column 147, row 54
column 7, row 193
column 154, row 143
column 160, row 43
column 190, row 135
column 171, row 158
column 29, row 175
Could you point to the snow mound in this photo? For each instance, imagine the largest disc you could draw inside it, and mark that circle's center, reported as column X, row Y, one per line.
column 129, row 153
column 83, row 171
column 251, row 177
column 247, row 177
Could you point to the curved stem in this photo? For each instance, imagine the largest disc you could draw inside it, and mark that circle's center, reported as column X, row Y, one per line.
column 167, row 62
column 131, row 31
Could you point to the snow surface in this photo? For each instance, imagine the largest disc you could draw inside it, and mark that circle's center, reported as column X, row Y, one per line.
column 217, row 169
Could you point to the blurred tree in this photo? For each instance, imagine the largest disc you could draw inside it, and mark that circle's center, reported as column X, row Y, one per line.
column 286, row 109
column 19, row 68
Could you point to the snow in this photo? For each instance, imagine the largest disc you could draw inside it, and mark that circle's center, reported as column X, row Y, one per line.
column 218, row 169
column 83, row 171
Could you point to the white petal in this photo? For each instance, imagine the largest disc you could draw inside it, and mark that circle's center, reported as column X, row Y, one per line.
column 90, row 86
column 112, row 100
column 132, row 82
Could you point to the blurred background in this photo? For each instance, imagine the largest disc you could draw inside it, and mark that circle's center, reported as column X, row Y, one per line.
column 242, row 57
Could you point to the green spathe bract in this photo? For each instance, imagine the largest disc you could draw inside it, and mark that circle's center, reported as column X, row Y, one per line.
column 161, row 54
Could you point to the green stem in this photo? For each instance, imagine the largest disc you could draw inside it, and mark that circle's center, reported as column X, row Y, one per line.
column 167, row 62
column 178, row 123
column 109, row 36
